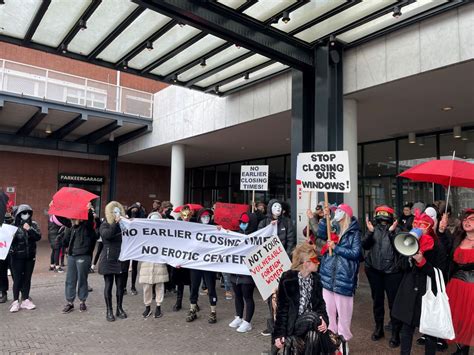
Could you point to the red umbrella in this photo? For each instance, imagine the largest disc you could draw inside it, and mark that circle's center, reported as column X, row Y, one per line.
column 71, row 202
column 192, row 206
column 444, row 172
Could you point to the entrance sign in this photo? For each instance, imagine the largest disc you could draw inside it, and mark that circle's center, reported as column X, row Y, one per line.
column 324, row 171
column 266, row 264
column 80, row 179
column 6, row 236
column 254, row 177
column 189, row 245
column 227, row 215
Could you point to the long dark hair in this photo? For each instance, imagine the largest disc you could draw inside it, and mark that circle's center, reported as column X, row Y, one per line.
column 460, row 233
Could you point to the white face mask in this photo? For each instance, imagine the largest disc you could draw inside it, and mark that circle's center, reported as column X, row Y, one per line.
column 276, row 209
column 339, row 215
column 25, row 216
column 205, row 219
column 117, row 212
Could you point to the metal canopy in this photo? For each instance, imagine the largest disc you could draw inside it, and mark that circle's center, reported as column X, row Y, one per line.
column 214, row 46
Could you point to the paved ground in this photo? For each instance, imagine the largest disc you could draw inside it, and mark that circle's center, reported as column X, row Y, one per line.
column 47, row 330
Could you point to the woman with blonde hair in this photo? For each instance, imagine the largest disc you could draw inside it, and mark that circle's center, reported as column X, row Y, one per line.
column 301, row 311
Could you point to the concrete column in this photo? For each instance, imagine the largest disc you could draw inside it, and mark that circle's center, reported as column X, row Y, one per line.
column 350, row 144
column 177, row 175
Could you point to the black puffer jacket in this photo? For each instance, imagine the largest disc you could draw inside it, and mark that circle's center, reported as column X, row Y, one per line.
column 24, row 241
column 80, row 239
column 112, row 239
column 381, row 255
column 286, row 232
column 289, row 302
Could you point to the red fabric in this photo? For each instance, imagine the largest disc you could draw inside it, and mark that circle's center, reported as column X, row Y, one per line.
column 244, row 218
column 192, row 206
column 443, row 172
column 335, row 238
column 384, row 209
column 228, row 215
column 426, row 243
column 346, row 208
column 461, row 296
column 70, row 202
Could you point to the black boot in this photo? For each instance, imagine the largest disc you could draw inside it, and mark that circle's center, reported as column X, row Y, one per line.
column 178, row 305
column 120, row 312
column 395, row 339
column 461, row 350
column 158, row 313
column 378, row 332
column 3, row 297
column 110, row 313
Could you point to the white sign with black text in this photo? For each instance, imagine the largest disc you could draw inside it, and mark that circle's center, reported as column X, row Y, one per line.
column 254, row 177
column 324, row 171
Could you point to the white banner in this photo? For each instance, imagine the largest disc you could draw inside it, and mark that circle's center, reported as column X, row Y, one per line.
column 254, row 177
column 324, row 171
column 6, row 236
column 189, row 245
column 266, row 264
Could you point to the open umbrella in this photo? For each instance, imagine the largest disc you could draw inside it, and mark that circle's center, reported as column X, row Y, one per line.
column 192, row 206
column 71, row 202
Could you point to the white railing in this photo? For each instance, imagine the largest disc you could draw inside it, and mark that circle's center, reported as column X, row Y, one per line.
column 51, row 85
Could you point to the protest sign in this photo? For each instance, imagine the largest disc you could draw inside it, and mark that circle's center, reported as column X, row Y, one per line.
column 6, row 236
column 227, row 215
column 266, row 264
column 254, row 177
column 189, row 245
column 324, row 171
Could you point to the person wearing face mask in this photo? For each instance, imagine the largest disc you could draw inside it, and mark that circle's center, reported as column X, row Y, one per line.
column 243, row 285
column 382, row 269
column 79, row 239
column 23, row 257
column 407, row 305
column 339, row 268
column 109, row 265
column 203, row 216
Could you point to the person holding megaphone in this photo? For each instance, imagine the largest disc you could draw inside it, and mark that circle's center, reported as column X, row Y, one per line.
column 420, row 252
column 382, row 269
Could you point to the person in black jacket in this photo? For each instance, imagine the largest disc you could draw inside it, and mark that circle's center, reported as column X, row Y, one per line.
column 382, row 269
column 80, row 240
column 301, row 311
column 109, row 264
column 23, row 257
column 405, row 221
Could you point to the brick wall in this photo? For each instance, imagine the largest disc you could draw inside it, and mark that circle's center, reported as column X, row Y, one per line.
column 75, row 67
column 35, row 177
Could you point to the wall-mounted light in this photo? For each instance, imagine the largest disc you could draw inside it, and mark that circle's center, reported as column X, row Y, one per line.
column 203, row 62
column 286, row 17
column 457, row 132
column 174, row 78
column 111, row 137
column 125, row 64
column 149, row 45
column 82, row 25
column 48, row 129
column 246, row 76
column 397, row 12
column 216, row 89
column 447, row 108
column 412, row 138
column 421, row 141
column 63, row 48
column 181, row 24
column 464, row 136
column 332, row 40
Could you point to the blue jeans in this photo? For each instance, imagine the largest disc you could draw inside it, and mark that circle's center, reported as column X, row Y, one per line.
column 227, row 283
column 77, row 273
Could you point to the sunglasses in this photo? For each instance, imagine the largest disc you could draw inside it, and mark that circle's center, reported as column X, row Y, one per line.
column 421, row 225
column 314, row 260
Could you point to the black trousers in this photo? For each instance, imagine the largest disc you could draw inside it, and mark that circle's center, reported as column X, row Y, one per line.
column 55, row 251
column 4, row 274
column 134, row 274
column 22, row 271
column 406, row 340
column 244, row 295
column 100, row 246
column 381, row 284
column 210, row 279
column 119, row 288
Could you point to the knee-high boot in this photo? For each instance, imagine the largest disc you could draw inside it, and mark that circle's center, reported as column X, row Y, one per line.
column 120, row 312
column 110, row 312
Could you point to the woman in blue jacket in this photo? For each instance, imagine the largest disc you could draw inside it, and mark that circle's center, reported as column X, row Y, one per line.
column 339, row 270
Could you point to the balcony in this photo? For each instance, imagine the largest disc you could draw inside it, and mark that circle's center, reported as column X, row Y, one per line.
column 55, row 86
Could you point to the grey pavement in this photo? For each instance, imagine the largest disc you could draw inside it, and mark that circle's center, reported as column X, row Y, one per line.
column 47, row 330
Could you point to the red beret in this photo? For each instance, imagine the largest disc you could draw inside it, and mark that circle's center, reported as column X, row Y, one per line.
column 244, row 218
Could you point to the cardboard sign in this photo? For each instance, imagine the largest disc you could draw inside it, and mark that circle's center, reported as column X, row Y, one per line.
column 324, row 171
column 227, row 215
column 266, row 264
column 6, row 236
column 254, row 177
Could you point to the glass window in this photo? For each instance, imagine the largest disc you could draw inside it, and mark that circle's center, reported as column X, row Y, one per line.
column 379, row 191
column 235, row 175
column 197, row 177
column 222, row 175
column 417, row 191
column 210, row 176
column 276, row 178
column 413, row 154
column 379, row 159
column 196, row 196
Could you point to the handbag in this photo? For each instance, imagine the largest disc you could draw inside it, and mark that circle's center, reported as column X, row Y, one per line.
column 436, row 317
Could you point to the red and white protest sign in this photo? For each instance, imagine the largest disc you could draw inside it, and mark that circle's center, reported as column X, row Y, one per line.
column 6, row 236
column 227, row 215
column 266, row 264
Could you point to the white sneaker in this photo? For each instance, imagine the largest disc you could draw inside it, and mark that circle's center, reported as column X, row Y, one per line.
column 341, row 348
column 27, row 304
column 236, row 322
column 15, row 307
column 244, row 327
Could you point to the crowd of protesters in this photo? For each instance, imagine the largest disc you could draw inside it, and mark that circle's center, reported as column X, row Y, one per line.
column 311, row 311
